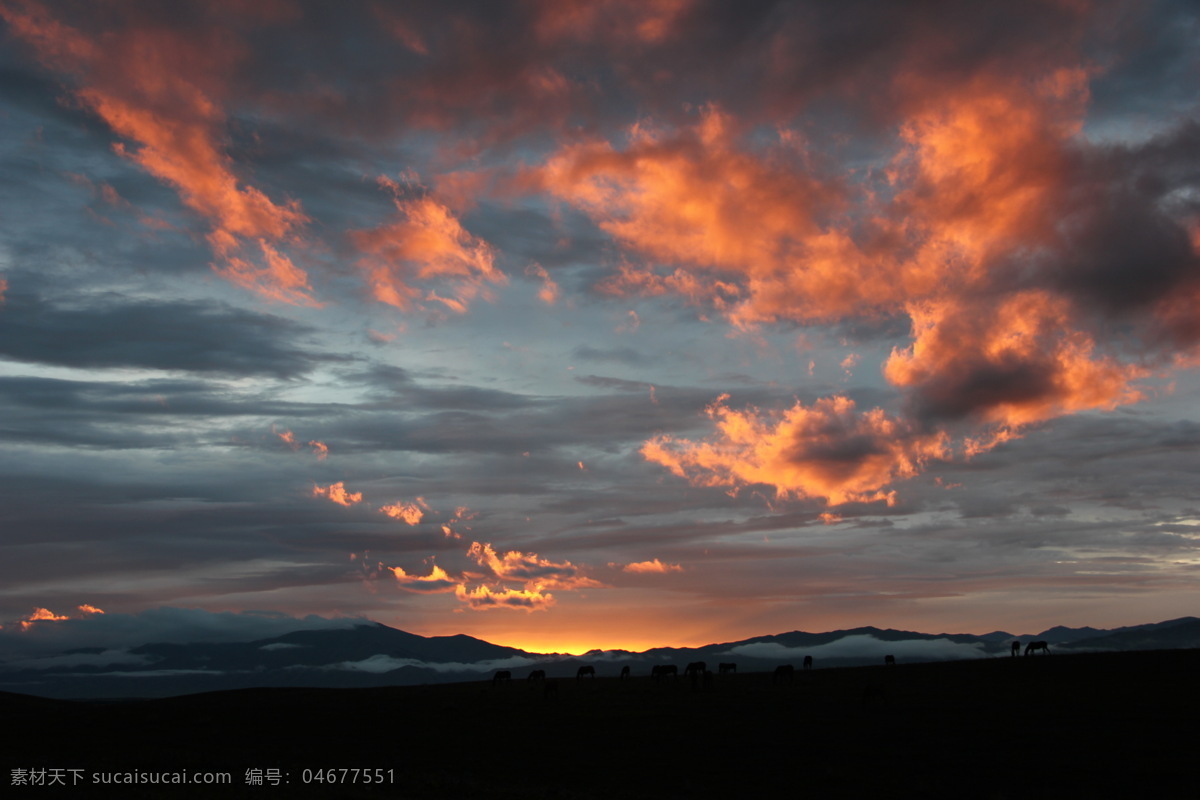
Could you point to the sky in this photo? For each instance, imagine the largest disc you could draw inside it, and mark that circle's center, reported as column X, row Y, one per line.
column 572, row 325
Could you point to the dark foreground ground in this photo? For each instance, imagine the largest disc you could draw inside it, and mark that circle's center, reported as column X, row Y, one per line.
column 1101, row 725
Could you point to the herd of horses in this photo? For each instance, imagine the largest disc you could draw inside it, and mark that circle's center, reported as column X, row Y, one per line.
column 698, row 672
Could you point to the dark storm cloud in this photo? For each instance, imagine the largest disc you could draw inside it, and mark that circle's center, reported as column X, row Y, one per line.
column 111, row 331
column 957, row 392
column 1125, row 255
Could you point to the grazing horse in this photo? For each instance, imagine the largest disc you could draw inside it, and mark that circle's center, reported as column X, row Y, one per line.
column 1036, row 647
column 889, row 660
column 625, row 672
column 586, row 669
column 1016, row 648
column 723, row 668
column 501, row 676
column 784, row 674
column 659, row 671
column 695, row 669
column 537, row 675
column 808, row 662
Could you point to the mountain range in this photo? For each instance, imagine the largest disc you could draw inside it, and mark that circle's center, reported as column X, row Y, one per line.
column 371, row 654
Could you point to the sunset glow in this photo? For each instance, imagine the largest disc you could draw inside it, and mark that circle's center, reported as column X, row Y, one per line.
column 660, row 322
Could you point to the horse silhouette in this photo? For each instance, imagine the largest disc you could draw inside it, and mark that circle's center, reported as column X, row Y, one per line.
column 501, row 676
column 784, row 674
column 625, row 672
column 1016, row 648
column 537, row 675
column 590, row 671
column 808, row 662
column 889, row 660
column 723, row 668
column 695, row 669
column 1037, row 647
column 660, row 671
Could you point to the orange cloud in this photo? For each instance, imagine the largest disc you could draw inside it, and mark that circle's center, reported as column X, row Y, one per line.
column 760, row 237
column 549, row 293
column 461, row 514
column 986, row 174
column 286, row 436
column 400, row 27
column 412, row 513
column 530, row 569
column 337, row 493
column 425, row 244
column 40, row 615
column 289, row 438
column 436, row 582
column 645, row 21
column 89, row 609
column 652, row 566
column 1020, row 363
column 481, row 598
column 959, row 239
column 747, row 232
column 827, row 450
column 3, row 290
column 277, row 279
column 849, row 363
column 513, row 566
column 162, row 90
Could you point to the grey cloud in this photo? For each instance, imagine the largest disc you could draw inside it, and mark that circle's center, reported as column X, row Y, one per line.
column 411, row 393
column 622, row 355
column 104, row 658
column 384, row 663
column 109, row 331
column 866, row 646
column 138, row 414
column 619, row 384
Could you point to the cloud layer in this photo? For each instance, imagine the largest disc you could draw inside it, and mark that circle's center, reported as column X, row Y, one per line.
column 698, row 315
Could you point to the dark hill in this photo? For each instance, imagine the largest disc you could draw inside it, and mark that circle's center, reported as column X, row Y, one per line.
column 1089, row 725
column 1179, row 633
column 321, row 647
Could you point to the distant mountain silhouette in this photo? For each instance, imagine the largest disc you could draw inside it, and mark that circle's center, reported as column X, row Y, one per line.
column 1170, row 635
column 1063, row 635
column 315, row 648
column 376, row 655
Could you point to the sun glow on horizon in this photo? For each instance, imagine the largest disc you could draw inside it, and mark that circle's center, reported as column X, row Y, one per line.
column 579, row 645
